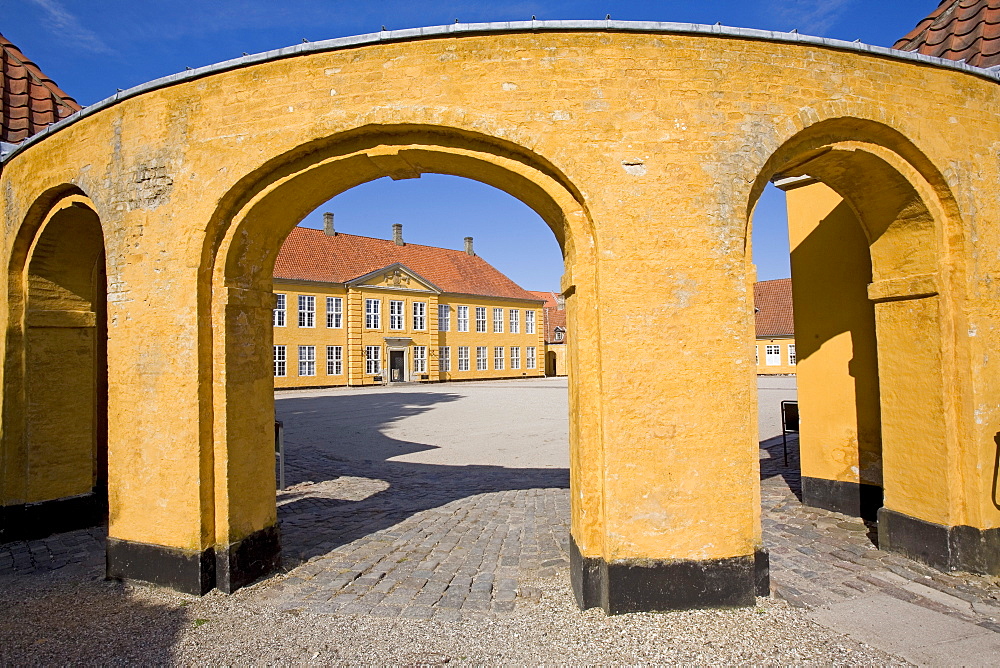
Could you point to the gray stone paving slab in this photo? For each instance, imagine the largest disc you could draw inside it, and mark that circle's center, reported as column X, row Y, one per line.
column 917, row 634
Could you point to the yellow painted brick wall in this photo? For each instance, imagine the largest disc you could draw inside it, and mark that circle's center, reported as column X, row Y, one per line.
column 643, row 152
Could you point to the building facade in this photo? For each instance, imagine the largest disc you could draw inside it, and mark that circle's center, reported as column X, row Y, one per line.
column 775, row 345
column 555, row 333
column 353, row 310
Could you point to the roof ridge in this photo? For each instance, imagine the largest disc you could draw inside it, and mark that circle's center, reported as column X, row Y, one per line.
column 389, row 241
column 308, row 254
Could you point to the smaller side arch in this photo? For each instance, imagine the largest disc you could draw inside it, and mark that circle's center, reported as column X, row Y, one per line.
column 878, row 242
column 55, row 370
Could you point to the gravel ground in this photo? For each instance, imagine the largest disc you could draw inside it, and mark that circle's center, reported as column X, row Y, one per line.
column 66, row 618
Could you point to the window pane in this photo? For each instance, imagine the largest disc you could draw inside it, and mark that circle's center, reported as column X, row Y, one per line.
column 279, row 310
column 279, row 362
column 307, row 311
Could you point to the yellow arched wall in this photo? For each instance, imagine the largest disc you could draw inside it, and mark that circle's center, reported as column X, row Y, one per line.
column 642, row 151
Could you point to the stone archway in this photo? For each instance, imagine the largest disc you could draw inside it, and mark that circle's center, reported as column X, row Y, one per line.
column 871, row 223
column 249, row 239
column 56, row 379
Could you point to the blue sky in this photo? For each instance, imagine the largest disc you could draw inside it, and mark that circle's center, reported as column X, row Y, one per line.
column 93, row 47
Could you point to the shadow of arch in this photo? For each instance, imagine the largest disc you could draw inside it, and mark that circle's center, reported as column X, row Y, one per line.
column 351, row 484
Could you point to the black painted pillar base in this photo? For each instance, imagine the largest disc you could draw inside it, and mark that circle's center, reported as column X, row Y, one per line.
column 247, row 561
column 196, row 572
column 850, row 498
column 28, row 521
column 645, row 585
column 949, row 548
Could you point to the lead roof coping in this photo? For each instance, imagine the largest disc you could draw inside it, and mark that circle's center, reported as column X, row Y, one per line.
column 430, row 32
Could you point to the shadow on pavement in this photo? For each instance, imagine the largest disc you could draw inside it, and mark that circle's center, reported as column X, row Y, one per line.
column 773, row 464
column 370, row 492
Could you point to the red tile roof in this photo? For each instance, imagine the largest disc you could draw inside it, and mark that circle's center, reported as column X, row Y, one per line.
column 966, row 30
column 773, row 302
column 312, row 255
column 553, row 315
column 29, row 100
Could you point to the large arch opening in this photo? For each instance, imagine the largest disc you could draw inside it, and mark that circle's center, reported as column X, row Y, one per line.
column 242, row 302
column 869, row 219
column 56, row 395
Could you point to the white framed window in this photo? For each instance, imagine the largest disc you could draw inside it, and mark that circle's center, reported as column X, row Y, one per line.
column 373, row 314
column 462, row 315
column 515, row 357
column 463, row 358
column 373, row 359
column 792, row 360
column 444, row 358
column 307, row 360
column 307, row 311
column 420, row 359
column 444, row 318
column 515, row 321
column 480, row 319
column 419, row 316
column 559, row 333
column 334, row 360
column 396, row 314
column 498, row 320
column 530, row 357
column 772, row 355
column 529, row 322
column 280, row 362
column 335, row 312
column 280, row 304
column 482, row 357
column 498, row 358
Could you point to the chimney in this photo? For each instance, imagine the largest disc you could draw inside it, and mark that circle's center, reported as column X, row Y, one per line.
column 328, row 225
column 468, row 246
column 397, row 234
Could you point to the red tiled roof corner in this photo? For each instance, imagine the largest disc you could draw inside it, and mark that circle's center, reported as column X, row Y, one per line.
column 962, row 30
column 29, row 100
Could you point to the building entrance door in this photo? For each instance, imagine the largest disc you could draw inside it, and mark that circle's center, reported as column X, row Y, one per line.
column 397, row 366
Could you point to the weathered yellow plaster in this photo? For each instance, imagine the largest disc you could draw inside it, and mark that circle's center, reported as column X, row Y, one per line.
column 644, row 154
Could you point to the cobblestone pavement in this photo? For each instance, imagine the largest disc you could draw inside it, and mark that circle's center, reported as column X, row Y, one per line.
column 819, row 557
column 392, row 538
column 414, row 541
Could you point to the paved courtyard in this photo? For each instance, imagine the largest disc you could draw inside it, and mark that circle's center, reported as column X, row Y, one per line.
column 429, row 524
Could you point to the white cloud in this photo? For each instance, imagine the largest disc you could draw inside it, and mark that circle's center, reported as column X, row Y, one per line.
column 66, row 26
column 809, row 16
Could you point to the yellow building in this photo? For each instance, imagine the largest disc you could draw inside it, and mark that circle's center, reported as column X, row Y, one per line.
column 556, row 336
column 352, row 310
column 775, row 328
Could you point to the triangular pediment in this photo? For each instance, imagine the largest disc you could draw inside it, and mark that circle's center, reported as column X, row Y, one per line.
column 395, row 277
